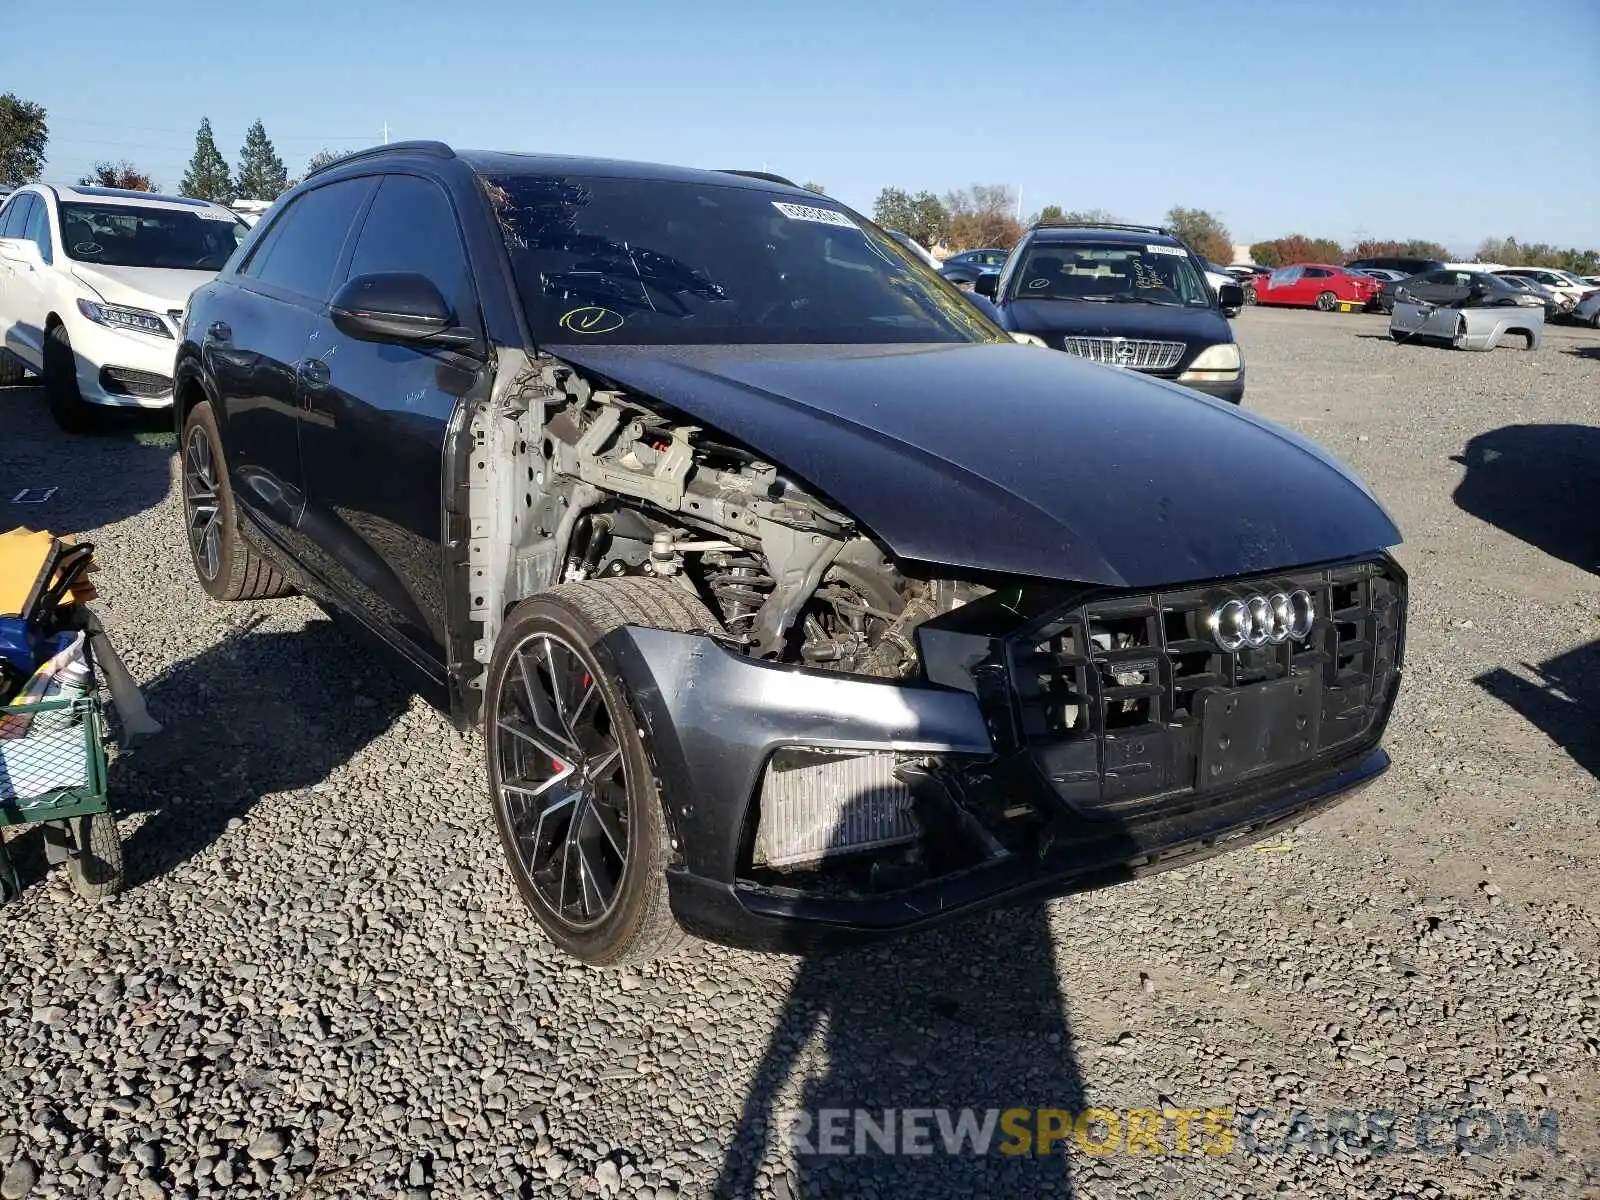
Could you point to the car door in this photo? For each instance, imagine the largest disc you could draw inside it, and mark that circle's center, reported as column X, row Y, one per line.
column 25, row 281
column 1313, row 282
column 1279, row 286
column 374, row 425
column 256, row 340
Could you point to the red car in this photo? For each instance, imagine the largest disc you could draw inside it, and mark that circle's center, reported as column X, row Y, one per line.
column 1307, row 284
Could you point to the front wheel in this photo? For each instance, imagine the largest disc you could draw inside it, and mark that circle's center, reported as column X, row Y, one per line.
column 1249, row 294
column 1327, row 302
column 71, row 411
column 94, row 859
column 572, row 787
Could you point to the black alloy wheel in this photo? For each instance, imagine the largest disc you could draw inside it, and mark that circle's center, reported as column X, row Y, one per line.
column 202, row 505
column 562, row 780
column 1327, row 302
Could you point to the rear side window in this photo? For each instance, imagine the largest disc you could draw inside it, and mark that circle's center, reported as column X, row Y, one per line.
column 411, row 227
column 302, row 248
column 15, row 217
column 1317, row 273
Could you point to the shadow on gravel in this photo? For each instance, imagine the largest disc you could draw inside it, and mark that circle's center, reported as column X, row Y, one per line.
column 1540, row 483
column 99, row 478
column 969, row 1017
column 255, row 714
column 1563, row 700
column 1590, row 352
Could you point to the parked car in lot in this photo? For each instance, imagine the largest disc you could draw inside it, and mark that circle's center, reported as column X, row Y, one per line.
column 1128, row 295
column 1454, row 287
column 969, row 264
column 1404, row 264
column 1381, row 274
column 920, row 252
column 93, row 283
column 1218, row 277
column 1316, row 285
column 1568, row 288
column 1481, row 320
column 1588, row 309
column 675, row 480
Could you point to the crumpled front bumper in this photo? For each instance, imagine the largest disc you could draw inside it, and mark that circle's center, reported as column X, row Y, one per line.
column 713, row 718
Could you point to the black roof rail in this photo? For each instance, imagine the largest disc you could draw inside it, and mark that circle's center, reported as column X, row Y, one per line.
column 768, row 176
column 417, row 146
column 1104, row 225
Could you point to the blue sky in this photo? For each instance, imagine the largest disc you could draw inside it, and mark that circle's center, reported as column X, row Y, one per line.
column 1343, row 118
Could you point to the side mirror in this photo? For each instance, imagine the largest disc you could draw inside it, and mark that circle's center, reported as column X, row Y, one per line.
column 396, row 306
column 1231, row 295
column 986, row 285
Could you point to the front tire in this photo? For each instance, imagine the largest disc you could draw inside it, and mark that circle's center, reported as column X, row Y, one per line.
column 228, row 569
column 94, row 863
column 1327, row 302
column 71, row 411
column 572, row 786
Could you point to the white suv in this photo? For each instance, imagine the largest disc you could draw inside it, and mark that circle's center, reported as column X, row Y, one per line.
column 93, row 283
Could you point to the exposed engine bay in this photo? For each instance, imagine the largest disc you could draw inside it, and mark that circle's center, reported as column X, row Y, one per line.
column 597, row 483
column 571, row 481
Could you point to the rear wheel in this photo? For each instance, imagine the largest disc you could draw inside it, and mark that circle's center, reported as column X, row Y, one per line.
column 573, row 790
column 227, row 567
column 1327, row 302
column 1249, row 293
column 67, row 405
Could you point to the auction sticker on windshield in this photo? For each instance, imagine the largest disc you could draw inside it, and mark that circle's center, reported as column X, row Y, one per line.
column 807, row 212
column 1176, row 251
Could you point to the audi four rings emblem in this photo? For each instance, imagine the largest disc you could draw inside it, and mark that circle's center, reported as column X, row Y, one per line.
column 1257, row 620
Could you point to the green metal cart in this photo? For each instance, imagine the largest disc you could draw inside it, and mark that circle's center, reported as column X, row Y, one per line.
column 55, row 775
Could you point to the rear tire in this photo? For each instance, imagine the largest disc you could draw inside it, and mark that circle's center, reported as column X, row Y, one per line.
column 1249, row 294
column 570, row 780
column 67, row 405
column 228, row 569
column 1327, row 302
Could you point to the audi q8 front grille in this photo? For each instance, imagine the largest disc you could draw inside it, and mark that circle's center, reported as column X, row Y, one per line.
column 1128, row 700
column 1136, row 353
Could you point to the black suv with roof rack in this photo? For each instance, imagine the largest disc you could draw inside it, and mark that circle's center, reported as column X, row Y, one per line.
column 1130, row 296
column 798, row 602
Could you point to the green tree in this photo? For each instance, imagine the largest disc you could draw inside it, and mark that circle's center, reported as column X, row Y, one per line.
column 1206, row 235
column 981, row 216
column 1296, row 248
column 815, row 187
column 922, row 217
column 118, row 175
column 24, row 134
column 207, row 177
column 1414, row 248
column 323, row 158
column 262, row 175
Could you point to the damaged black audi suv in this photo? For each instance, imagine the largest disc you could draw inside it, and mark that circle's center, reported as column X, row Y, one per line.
column 798, row 602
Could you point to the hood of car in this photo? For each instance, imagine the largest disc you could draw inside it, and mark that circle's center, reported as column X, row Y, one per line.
column 1016, row 460
column 154, row 288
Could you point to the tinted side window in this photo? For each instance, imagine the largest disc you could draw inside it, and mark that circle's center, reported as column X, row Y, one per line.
column 411, row 227
column 1317, row 273
column 1440, row 277
column 15, row 217
column 302, row 248
column 38, row 229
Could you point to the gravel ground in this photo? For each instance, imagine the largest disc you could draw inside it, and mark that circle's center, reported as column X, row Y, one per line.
column 321, row 984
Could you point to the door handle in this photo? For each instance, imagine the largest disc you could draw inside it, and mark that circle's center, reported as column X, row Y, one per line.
column 314, row 370
column 218, row 331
